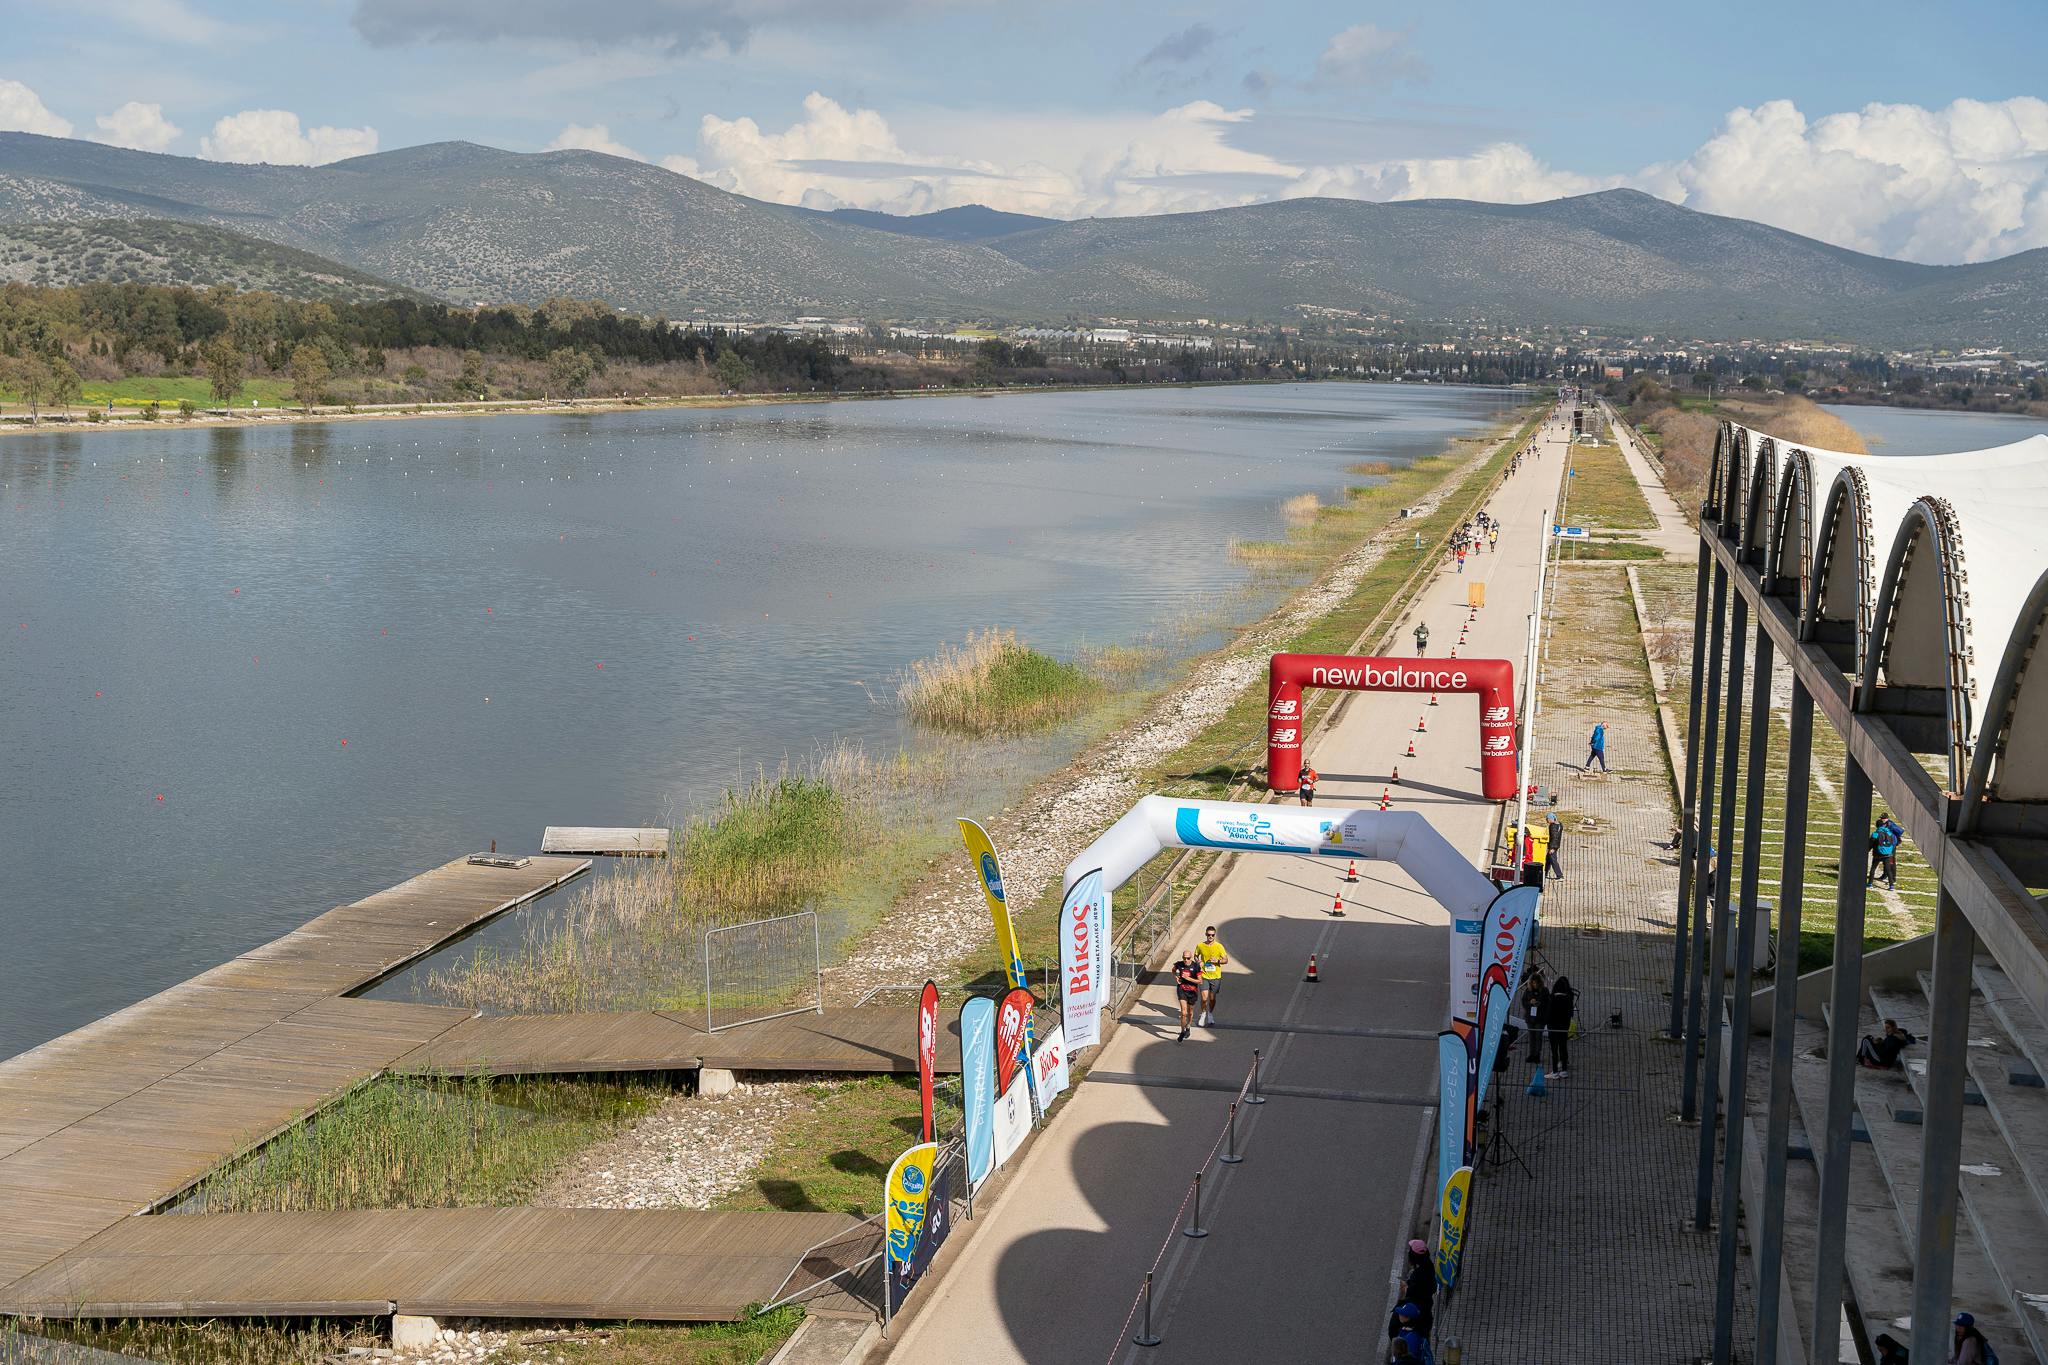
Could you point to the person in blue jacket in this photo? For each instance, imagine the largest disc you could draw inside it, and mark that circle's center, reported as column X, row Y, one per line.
column 1597, row 748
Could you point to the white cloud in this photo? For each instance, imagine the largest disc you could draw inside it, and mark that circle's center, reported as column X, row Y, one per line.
column 22, row 111
column 273, row 136
column 1366, row 54
column 1063, row 167
column 1504, row 173
column 593, row 137
column 1966, row 182
column 140, row 126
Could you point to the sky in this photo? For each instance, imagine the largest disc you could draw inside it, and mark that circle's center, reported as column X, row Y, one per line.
column 1909, row 130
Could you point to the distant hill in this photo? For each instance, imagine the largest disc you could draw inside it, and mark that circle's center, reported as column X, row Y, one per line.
column 968, row 223
column 476, row 224
column 156, row 251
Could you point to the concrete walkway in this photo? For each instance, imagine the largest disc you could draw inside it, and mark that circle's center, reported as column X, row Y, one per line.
column 1304, row 1233
column 1673, row 535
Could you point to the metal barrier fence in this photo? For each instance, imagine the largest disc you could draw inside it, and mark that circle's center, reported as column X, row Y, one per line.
column 763, row 969
column 1224, row 1151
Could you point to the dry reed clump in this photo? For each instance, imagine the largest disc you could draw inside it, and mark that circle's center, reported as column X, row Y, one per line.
column 1266, row 553
column 1301, row 509
column 1373, row 468
column 634, row 937
column 194, row 1341
column 994, row 684
column 1801, row 420
column 397, row 1144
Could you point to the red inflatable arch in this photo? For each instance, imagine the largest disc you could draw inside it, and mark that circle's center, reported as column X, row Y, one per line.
column 1492, row 679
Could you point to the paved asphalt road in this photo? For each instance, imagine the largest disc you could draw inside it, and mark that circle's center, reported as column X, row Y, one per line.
column 1304, row 1233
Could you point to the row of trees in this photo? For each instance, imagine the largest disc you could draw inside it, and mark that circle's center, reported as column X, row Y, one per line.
column 190, row 329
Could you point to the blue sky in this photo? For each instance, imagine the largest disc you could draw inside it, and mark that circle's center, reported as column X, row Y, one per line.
column 1889, row 127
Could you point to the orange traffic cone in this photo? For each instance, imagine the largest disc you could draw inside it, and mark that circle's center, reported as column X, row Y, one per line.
column 1397, row 776
column 1337, row 905
column 1432, row 699
column 1351, row 872
column 1311, row 969
column 1411, row 750
column 1386, row 800
column 1422, row 725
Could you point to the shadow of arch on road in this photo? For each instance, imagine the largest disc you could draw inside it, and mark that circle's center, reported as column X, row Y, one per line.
column 1062, row 1294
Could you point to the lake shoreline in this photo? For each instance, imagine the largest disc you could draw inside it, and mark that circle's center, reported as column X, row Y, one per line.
column 209, row 420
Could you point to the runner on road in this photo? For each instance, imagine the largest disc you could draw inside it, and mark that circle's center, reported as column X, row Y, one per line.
column 1213, row 960
column 1421, row 639
column 1308, row 784
column 1187, row 987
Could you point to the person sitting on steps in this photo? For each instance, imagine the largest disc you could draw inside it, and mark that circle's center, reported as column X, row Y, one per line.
column 1882, row 1053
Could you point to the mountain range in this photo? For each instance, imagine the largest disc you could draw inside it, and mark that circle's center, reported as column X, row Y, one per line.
column 475, row 224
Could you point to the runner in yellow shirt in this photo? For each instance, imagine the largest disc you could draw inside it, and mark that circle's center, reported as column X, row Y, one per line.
column 1213, row 959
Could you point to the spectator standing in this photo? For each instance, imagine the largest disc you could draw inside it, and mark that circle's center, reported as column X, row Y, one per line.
column 1971, row 1348
column 1884, row 854
column 1419, row 1288
column 1535, row 1010
column 1405, row 1333
column 1553, row 865
column 1557, row 1022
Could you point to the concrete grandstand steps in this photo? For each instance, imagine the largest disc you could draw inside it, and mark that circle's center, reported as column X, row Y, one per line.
column 2006, row 1005
column 1999, row 1211
column 1878, row 1267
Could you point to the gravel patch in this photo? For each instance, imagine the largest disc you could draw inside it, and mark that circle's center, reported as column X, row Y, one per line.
column 688, row 1153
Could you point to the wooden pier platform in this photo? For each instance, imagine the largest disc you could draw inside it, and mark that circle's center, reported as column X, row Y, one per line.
column 847, row 1039
column 122, row 1116
column 116, row 1117
column 673, row 1265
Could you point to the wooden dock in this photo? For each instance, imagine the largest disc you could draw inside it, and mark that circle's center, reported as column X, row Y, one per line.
column 118, row 1116
column 679, row 1265
column 873, row 1039
column 122, row 1116
column 628, row 842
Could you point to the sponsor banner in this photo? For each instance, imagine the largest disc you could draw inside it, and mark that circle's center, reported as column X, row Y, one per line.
column 1013, row 1033
column 1453, row 1069
column 938, row 1222
column 1084, row 932
column 1495, row 1005
column 978, row 1086
column 1465, row 955
column 1049, row 1068
column 981, row 851
column 1510, row 925
column 1452, row 1208
column 1013, row 1120
column 927, row 1050
column 904, row 1195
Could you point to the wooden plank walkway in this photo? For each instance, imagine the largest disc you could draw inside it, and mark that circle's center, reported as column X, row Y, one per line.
column 872, row 1039
column 121, row 1116
column 625, row 843
column 602, row 1264
column 126, row 1112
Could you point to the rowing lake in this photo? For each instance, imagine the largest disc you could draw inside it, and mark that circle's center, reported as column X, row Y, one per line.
column 251, row 673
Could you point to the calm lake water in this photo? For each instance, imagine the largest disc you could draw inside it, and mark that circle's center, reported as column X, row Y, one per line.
column 1910, row 431
column 248, row 674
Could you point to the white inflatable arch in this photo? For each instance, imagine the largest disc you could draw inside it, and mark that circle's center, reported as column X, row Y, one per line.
column 1157, row 823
